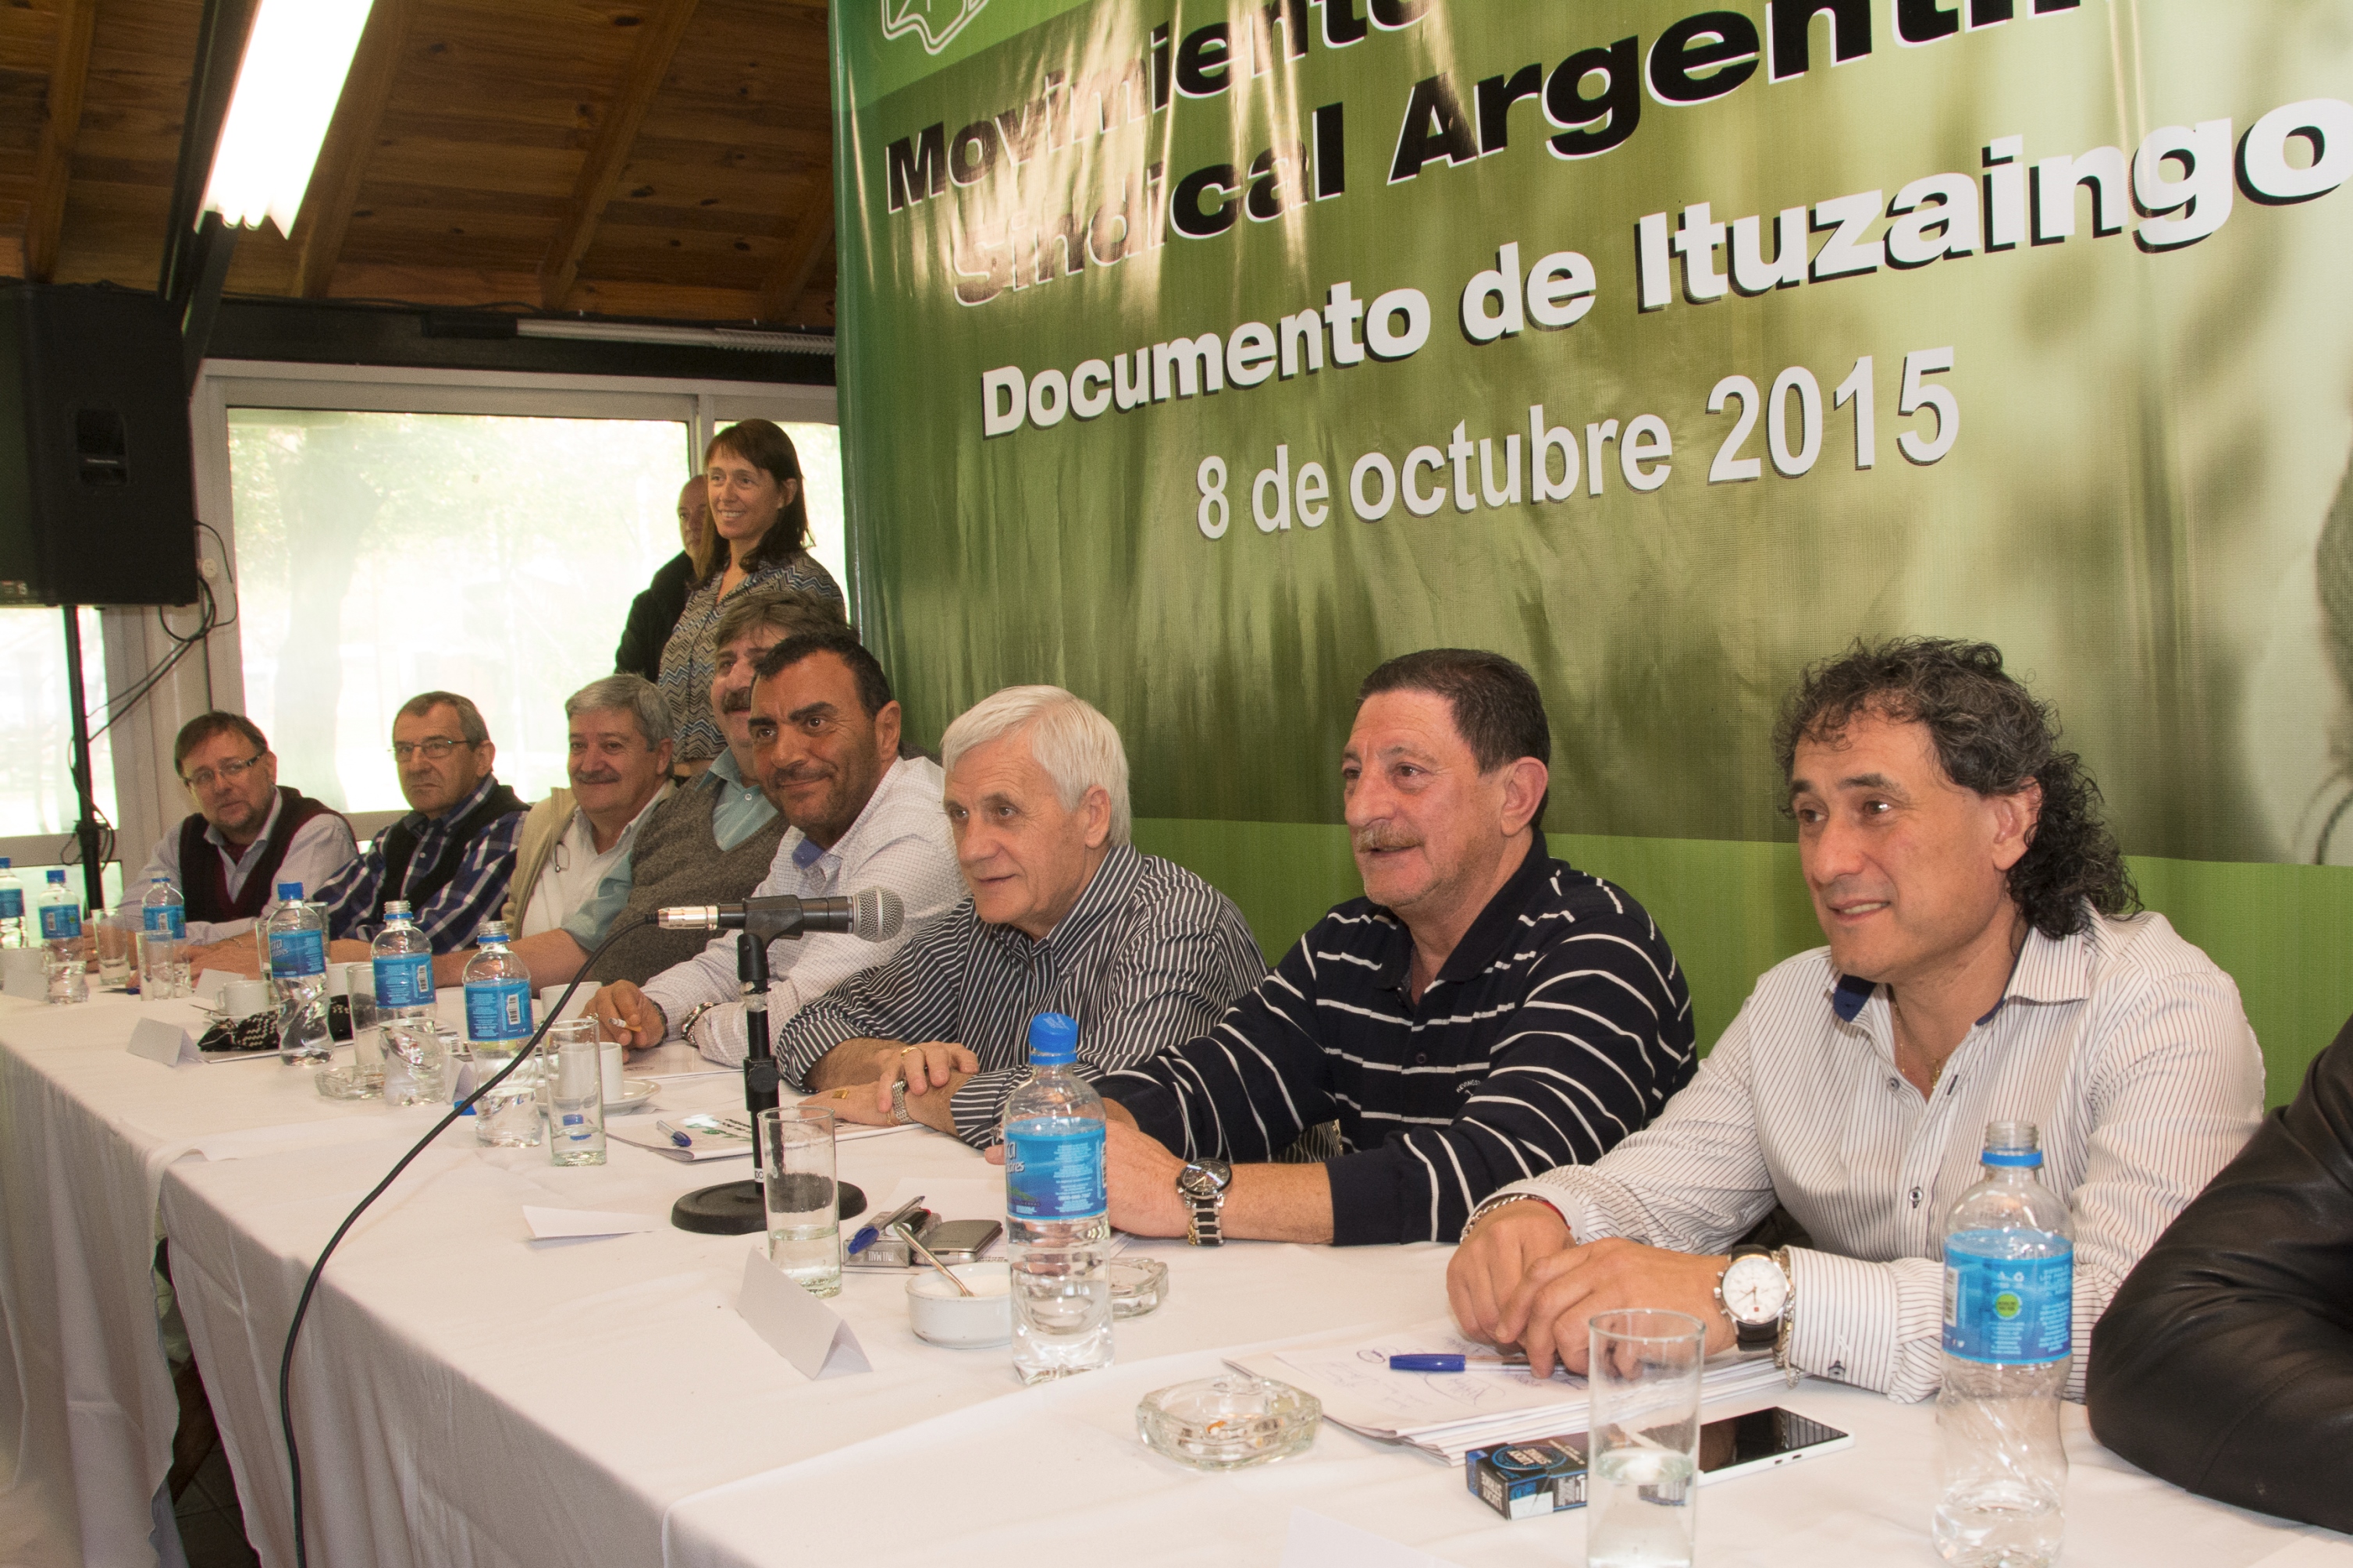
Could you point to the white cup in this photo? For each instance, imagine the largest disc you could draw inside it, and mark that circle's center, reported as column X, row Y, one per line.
column 579, row 1007
column 23, row 972
column 244, row 998
column 611, row 1063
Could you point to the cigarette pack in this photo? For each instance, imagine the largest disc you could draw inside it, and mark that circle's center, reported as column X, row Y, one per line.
column 1524, row 1480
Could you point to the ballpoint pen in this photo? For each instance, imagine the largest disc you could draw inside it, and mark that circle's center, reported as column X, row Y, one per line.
column 681, row 1139
column 866, row 1234
column 1445, row 1362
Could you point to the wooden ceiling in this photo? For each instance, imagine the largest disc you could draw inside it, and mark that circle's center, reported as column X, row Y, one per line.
column 661, row 158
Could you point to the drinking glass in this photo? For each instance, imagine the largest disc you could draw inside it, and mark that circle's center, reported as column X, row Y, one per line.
column 117, row 939
column 1644, row 1458
column 797, row 1185
column 575, row 1076
column 510, row 1116
column 163, row 966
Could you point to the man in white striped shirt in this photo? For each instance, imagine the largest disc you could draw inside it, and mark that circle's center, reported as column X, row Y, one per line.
column 1984, row 964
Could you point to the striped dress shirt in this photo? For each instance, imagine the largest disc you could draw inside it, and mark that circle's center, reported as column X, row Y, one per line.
column 2122, row 1044
column 1558, row 1025
column 476, row 893
column 1149, row 955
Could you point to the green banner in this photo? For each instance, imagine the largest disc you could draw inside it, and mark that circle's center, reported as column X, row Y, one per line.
column 1198, row 359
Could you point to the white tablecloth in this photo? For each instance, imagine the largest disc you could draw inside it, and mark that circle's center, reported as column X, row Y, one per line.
column 467, row 1394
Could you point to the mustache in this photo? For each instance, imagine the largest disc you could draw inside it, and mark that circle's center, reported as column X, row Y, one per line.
column 599, row 778
column 736, row 702
column 799, row 772
column 1381, row 836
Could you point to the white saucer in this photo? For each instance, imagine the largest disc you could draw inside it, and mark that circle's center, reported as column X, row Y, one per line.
column 637, row 1093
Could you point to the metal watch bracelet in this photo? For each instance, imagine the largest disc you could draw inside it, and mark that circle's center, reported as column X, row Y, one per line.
column 1500, row 1199
column 1782, row 1341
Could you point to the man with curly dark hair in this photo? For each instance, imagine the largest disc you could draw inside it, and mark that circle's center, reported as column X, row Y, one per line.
column 1986, row 963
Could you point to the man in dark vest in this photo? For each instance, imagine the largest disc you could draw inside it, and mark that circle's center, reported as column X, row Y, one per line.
column 246, row 833
column 714, row 839
column 451, row 858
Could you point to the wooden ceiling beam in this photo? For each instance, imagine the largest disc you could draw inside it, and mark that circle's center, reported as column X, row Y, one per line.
column 608, row 150
column 333, row 194
column 60, row 124
column 796, row 264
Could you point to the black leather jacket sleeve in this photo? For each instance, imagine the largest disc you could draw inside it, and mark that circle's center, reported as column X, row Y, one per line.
column 2225, row 1363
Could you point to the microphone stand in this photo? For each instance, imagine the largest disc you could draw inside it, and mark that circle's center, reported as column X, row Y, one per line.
column 734, row 1208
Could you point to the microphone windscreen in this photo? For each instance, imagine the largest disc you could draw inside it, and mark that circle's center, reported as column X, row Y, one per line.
column 876, row 914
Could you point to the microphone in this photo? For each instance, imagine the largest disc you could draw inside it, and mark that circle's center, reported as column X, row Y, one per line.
column 870, row 914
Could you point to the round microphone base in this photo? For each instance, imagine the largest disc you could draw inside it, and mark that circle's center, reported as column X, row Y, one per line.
column 733, row 1208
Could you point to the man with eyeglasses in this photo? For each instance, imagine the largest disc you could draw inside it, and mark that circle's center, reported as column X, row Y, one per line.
column 452, row 857
column 246, row 833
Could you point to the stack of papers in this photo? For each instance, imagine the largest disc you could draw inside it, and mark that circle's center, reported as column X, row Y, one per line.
column 1448, row 1414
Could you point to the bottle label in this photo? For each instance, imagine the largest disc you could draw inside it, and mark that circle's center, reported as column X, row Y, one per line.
column 498, row 1009
column 405, row 980
column 59, row 921
column 12, row 903
column 574, row 1127
column 1054, row 1168
column 297, row 953
column 166, row 920
column 2004, row 1310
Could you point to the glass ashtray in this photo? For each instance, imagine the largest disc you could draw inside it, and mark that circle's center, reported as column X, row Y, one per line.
column 345, row 1083
column 1228, row 1422
column 1138, row 1285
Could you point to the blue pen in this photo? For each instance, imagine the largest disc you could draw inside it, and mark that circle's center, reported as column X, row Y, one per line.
column 869, row 1234
column 681, row 1139
column 1435, row 1361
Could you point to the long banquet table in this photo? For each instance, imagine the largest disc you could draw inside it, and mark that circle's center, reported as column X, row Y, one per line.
column 464, row 1394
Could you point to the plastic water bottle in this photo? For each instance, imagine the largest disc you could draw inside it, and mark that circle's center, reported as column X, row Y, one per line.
column 2010, row 1305
column 61, row 915
column 163, row 922
column 404, row 967
column 12, row 906
column 497, row 1028
column 1058, row 1227
column 297, row 940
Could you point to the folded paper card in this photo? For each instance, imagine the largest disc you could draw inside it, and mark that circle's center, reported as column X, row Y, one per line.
column 160, row 1041
column 546, row 1223
column 796, row 1324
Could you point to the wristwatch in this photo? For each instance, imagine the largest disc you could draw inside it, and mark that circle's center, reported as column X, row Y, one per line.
column 1754, row 1291
column 1202, row 1184
column 899, row 1112
column 693, row 1017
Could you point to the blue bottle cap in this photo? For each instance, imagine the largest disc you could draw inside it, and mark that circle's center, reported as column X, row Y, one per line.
column 290, row 890
column 1053, row 1041
column 57, row 878
column 2026, row 1159
column 4, row 862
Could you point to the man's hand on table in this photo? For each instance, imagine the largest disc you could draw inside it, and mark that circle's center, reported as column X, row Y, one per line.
column 853, row 1081
column 350, row 950
column 233, row 955
column 631, row 1015
column 1520, row 1278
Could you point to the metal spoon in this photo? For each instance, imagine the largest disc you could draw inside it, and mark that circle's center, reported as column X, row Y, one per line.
column 925, row 1254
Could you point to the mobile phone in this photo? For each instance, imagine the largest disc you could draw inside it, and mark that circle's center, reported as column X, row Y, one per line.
column 1761, row 1440
column 961, row 1240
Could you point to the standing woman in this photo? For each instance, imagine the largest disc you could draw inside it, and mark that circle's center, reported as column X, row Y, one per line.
column 761, row 519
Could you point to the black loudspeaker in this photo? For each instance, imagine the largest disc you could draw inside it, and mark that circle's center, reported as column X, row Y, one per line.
column 97, row 498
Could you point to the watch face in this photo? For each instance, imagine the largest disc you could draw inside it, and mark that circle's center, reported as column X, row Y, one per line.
column 1755, row 1291
column 1204, row 1178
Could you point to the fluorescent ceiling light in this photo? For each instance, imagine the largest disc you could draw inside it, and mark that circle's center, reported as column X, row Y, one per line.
column 287, row 87
column 684, row 337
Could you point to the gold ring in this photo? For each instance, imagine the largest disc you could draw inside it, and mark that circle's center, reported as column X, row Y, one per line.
column 841, row 1094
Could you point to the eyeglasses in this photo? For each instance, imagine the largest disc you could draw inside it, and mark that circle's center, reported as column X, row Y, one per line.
column 438, row 747
column 227, row 773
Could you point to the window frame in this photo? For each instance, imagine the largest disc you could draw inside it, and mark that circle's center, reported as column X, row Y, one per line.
column 149, row 797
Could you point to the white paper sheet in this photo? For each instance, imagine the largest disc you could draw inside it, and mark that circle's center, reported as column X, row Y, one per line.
column 796, row 1324
column 546, row 1222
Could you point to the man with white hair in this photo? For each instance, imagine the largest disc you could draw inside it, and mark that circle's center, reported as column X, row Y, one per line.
column 1064, row 915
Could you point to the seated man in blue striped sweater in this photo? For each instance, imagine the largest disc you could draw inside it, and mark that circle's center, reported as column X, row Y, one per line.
column 1484, row 1012
column 1985, row 964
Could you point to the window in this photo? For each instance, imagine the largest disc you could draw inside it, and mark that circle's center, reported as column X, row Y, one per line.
column 36, row 792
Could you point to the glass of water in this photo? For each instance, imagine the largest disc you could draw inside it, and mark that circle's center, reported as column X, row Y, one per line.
column 795, row 1149
column 414, row 1058
column 510, row 1116
column 1643, row 1475
column 118, row 940
column 576, row 1093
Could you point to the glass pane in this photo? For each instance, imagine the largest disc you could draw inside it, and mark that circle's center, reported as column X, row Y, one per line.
column 819, row 449
column 36, row 792
column 380, row 555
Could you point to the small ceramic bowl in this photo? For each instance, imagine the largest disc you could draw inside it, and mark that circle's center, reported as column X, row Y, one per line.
column 941, row 1317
